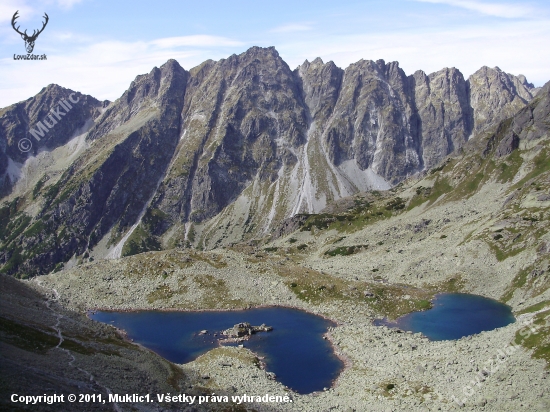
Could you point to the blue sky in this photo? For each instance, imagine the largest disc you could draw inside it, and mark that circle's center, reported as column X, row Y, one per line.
column 98, row 47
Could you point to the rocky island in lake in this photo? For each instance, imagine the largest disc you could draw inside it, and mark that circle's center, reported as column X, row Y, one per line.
column 245, row 330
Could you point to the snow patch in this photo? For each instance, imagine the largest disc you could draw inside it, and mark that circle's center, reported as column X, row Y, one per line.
column 363, row 180
column 116, row 252
column 274, row 204
column 14, row 170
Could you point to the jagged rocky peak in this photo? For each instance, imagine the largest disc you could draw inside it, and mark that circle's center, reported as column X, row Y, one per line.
column 523, row 80
column 148, row 92
column 443, row 117
column 18, row 119
column 372, row 125
column 46, row 121
column 496, row 95
column 105, row 189
column 241, row 119
column 321, row 86
column 525, row 127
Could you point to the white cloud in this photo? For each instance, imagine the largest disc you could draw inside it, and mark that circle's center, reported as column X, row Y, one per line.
column 504, row 10
column 291, row 28
column 514, row 47
column 67, row 4
column 9, row 7
column 194, row 41
column 104, row 69
column 26, row 10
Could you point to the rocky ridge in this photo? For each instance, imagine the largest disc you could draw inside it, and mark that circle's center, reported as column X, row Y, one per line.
column 18, row 120
column 228, row 150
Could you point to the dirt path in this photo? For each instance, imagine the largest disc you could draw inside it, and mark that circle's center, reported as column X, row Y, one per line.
column 57, row 328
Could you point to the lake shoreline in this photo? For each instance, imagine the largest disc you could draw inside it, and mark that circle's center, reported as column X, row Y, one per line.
column 345, row 360
column 469, row 314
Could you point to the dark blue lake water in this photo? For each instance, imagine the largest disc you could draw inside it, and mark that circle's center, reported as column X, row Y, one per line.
column 455, row 315
column 295, row 350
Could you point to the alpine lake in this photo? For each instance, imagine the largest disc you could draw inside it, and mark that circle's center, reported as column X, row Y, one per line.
column 455, row 315
column 295, row 350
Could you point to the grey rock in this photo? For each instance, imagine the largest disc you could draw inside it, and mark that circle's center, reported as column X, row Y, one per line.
column 244, row 329
column 17, row 121
column 239, row 145
column 496, row 95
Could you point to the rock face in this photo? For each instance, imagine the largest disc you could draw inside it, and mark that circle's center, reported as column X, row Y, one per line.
column 496, row 95
column 528, row 125
column 16, row 122
column 230, row 149
column 244, row 329
column 111, row 182
column 444, row 118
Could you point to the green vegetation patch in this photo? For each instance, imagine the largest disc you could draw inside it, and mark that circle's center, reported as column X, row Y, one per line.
column 509, row 167
column 12, row 223
column 504, row 246
column 386, row 300
column 534, row 278
column 26, row 337
column 468, row 186
column 537, row 337
column 13, row 262
column 38, row 187
column 518, row 282
column 345, row 250
column 430, row 195
column 35, row 229
column 154, row 218
column 36, row 340
column 140, row 241
column 323, row 221
column 395, row 204
column 540, row 165
column 535, row 307
column 213, row 260
column 452, row 285
column 216, row 293
column 353, row 220
column 162, row 292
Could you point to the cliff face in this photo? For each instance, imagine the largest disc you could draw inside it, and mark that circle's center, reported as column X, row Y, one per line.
column 35, row 114
column 496, row 95
column 107, row 186
column 444, row 117
column 229, row 149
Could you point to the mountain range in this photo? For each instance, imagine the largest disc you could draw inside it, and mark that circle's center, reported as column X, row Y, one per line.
column 227, row 152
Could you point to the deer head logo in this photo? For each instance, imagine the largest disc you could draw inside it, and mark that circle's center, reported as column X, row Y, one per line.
column 29, row 40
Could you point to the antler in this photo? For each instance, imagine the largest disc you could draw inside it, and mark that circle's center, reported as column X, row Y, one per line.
column 43, row 26
column 15, row 16
column 34, row 33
